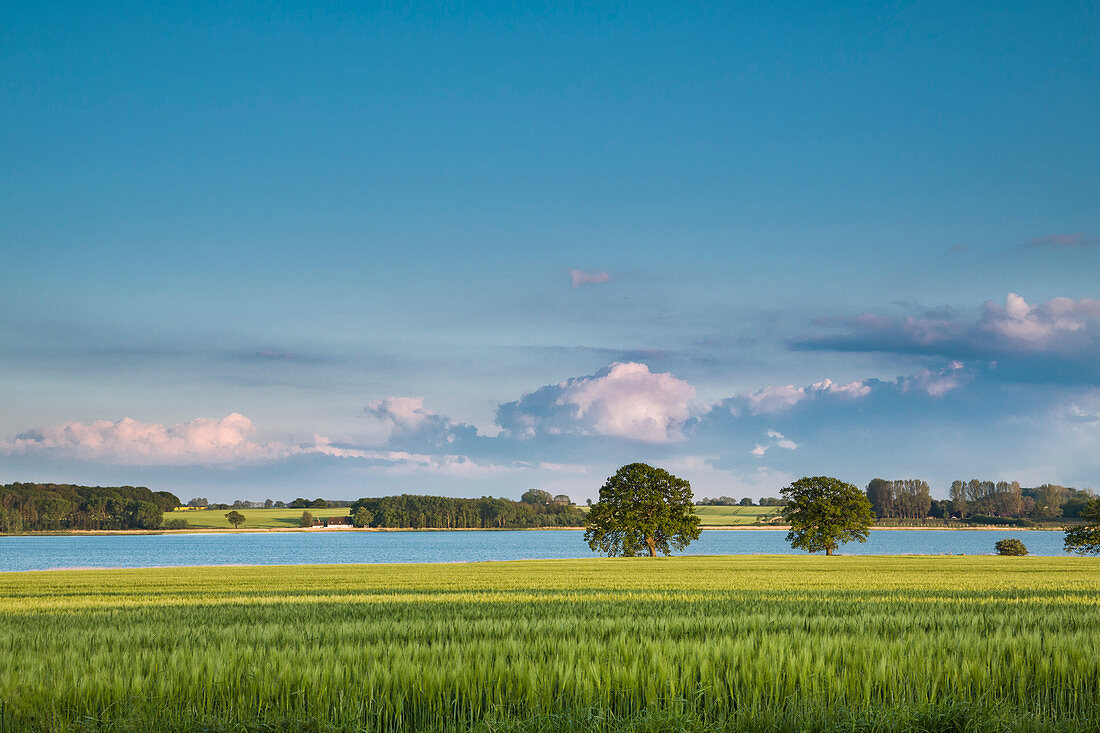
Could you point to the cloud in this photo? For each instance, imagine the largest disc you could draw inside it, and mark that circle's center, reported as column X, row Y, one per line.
column 777, row 398
column 1060, row 241
column 224, row 442
column 588, row 277
column 129, row 442
column 935, row 382
column 777, row 440
column 1057, row 340
column 623, row 400
column 412, row 425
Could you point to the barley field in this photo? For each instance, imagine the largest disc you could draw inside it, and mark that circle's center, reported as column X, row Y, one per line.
column 691, row 643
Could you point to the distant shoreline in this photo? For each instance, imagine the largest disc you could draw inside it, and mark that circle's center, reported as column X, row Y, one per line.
column 345, row 528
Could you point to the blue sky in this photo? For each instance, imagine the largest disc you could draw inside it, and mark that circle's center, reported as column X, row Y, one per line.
column 474, row 249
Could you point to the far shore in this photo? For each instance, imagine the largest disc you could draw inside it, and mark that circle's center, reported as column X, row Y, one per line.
column 345, row 528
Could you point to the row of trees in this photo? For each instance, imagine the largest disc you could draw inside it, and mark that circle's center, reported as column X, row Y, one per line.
column 51, row 507
column 646, row 510
column 747, row 501
column 911, row 499
column 410, row 511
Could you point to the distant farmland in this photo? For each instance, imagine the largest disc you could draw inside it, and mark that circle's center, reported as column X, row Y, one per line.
column 712, row 516
column 253, row 518
column 732, row 516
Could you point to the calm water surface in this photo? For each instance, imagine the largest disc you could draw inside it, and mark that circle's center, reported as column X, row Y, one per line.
column 295, row 548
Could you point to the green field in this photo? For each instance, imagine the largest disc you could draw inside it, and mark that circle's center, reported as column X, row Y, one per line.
column 253, row 518
column 732, row 516
column 737, row 643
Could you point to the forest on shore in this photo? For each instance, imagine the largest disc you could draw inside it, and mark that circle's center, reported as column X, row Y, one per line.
column 38, row 507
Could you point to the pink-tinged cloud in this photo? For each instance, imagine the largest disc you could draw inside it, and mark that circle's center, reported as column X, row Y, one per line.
column 623, row 400
column 130, row 442
column 588, row 277
column 198, row 442
column 1058, row 327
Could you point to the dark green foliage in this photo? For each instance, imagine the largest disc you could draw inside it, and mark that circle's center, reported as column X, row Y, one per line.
column 721, row 501
column 536, row 496
column 899, row 499
column 307, row 519
column 642, row 509
column 410, row 511
column 362, row 517
column 59, row 507
column 1011, row 546
column 235, row 518
column 825, row 512
column 999, row 521
column 1085, row 540
column 175, row 524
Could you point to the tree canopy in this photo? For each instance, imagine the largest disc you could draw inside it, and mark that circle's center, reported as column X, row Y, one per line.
column 825, row 512
column 1085, row 539
column 642, row 509
column 235, row 518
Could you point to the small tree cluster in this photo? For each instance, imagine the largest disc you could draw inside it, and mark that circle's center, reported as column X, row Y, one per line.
column 1010, row 546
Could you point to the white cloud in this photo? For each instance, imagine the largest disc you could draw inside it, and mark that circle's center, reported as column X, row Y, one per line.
column 777, row 440
column 414, row 427
column 586, row 277
column 623, row 400
column 937, row 382
column 777, row 398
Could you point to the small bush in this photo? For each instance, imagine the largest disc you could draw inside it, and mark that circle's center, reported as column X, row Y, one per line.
column 1011, row 546
column 176, row 524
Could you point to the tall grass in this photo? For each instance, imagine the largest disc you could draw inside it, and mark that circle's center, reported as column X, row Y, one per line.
column 758, row 643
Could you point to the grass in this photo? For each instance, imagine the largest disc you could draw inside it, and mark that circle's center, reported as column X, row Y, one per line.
column 732, row 516
column 692, row 643
column 253, row 518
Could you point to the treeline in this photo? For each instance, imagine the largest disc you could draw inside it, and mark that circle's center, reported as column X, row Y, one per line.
column 46, row 507
column 975, row 500
column 747, row 501
column 410, row 511
column 299, row 503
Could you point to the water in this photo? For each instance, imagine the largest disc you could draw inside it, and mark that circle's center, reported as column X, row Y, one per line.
column 342, row 547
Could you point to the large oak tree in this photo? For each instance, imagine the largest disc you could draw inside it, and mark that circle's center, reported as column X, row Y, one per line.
column 825, row 512
column 642, row 509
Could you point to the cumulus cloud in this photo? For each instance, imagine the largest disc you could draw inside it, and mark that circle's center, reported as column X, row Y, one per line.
column 225, row 442
column 1058, row 336
column 411, row 424
column 131, row 442
column 588, row 277
column 777, row 398
column 775, row 440
column 623, row 400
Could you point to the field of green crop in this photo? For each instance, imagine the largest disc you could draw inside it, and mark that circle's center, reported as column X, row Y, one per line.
column 731, row 516
column 692, row 643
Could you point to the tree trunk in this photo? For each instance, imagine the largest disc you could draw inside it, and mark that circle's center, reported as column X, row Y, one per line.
column 652, row 546
column 828, row 550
